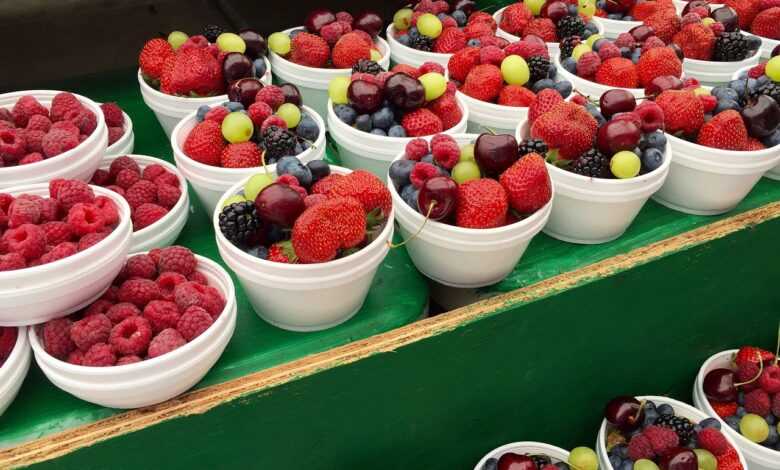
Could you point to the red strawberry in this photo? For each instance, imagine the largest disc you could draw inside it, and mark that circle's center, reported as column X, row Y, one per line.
column 746, row 11
column 421, row 122
column 567, row 127
column 752, row 355
column 243, row 155
column 309, row 50
column 482, row 203
column 618, row 72
column 516, row 95
column 696, row 41
column 527, row 184
column 754, row 144
column 152, row 57
column 527, row 49
column 321, row 230
column 542, row 27
column 767, row 23
column 282, row 252
column 462, row 62
column 725, row 131
column 544, row 101
column 484, row 82
column 642, row 10
column 683, row 111
column 205, row 144
column 729, row 460
column 447, row 109
column 657, row 62
column 724, row 410
column 665, row 23
column 349, row 49
column 515, row 18
column 365, row 187
column 478, row 29
column 450, row 40
column 407, row 69
column 195, row 72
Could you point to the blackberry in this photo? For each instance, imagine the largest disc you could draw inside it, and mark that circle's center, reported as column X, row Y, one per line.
column 421, row 43
column 567, row 45
column 532, row 146
column 212, row 31
column 539, row 68
column 771, row 89
column 367, row 66
column 682, row 426
column 570, row 25
column 278, row 143
column 593, row 164
column 239, row 222
column 730, row 47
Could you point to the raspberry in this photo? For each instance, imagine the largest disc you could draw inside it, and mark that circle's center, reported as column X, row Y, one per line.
column 76, row 358
column 123, row 163
column 138, row 292
column 640, row 447
column 66, row 126
column 107, row 209
column 12, row 261
column 588, row 64
column 161, row 314
column 755, row 72
column 124, row 360
column 714, row 441
column 758, row 402
column 217, row 114
column 71, row 192
column 141, row 192
column 167, row 282
column 345, row 17
column 116, row 189
column 110, row 294
column 99, row 355
column 177, row 259
column 24, row 211
column 50, row 210
column 446, row 154
column 193, row 322
column 85, row 120
column 58, row 141
column 167, row 195
column 90, row 330
column 153, row 171
column 39, row 122
column 114, row 134
column 332, row 32
column 121, row 311
column 258, row 112
column 56, row 338
column 126, row 178
column 165, row 342
column 112, row 114
column 147, row 214
column 142, row 266
column 27, row 240
column 154, row 253
column 608, row 51
column 34, row 141
column 5, row 201
column 167, row 178
column 661, row 439
column 25, row 108
column 61, row 251
column 98, row 306
column 131, row 336
column 12, row 144
column 191, row 293
column 61, row 104
column 199, row 277
column 776, row 405
column 91, row 239
column 272, row 95
column 430, row 67
column 85, row 219
column 422, row 172
column 416, row 149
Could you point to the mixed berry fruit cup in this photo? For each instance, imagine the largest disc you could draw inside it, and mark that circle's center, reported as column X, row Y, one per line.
column 52, row 290
column 773, row 173
column 554, row 454
column 78, row 162
column 13, row 364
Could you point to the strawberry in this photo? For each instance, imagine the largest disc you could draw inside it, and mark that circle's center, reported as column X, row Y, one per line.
column 527, row 49
column 243, row 155
column 729, row 460
column 365, row 187
column 757, row 70
column 767, row 4
column 754, row 144
column 542, row 27
column 450, row 40
column 746, row 11
column 152, row 57
column 205, row 144
column 194, row 72
column 484, row 82
column 408, row 69
column 618, row 72
column 767, row 23
column 544, row 101
column 696, row 41
column 725, row 131
column 421, row 122
column 683, row 111
column 515, row 18
column 309, row 50
column 349, row 49
column 642, row 10
column 482, row 203
column 527, row 184
column 477, row 30
column 750, row 354
column 447, row 109
column 567, row 127
column 516, row 95
column 657, row 62
column 724, row 410
column 282, row 252
column 321, row 230
column 462, row 62
column 665, row 23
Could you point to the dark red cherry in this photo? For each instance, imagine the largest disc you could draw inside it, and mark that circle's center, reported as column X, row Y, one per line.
column 680, row 459
column 495, row 153
column 365, row 96
column 369, row 22
column 244, row 91
column 617, row 135
column 663, row 83
column 727, row 16
column 317, row 19
column 512, row 461
column 236, row 66
column 719, row 386
column 404, row 91
column 625, row 413
column 291, row 94
column 641, row 32
column 616, row 100
column 279, row 204
column 439, row 195
column 256, row 45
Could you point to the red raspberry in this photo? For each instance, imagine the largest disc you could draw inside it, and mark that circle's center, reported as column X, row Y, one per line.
column 662, row 439
column 5, row 201
column 755, row 71
column 430, row 67
column 199, row 277
column 142, row 266
column 217, row 114
column 131, row 336
column 625, row 40
column 85, row 120
column 446, row 154
column 25, row 108
column 161, row 314
column 61, row 104
column 24, row 211
column 588, row 64
column 177, row 259
column 71, row 192
column 112, row 114
column 167, row 178
column 76, row 358
column 38, row 122
column 61, row 251
column 422, row 172
column 123, row 163
column 90, row 330
column 344, row 16
column 56, row 338
column 12, row 144
column 85, row 219
column 332, row 32
column 416, row 149
column 165, row 342
column 167, row 195
column 58, row 141
column 192, row 293
column 640, row 447
column 110, row 294
column 138, row 292
column 142, row 192
column 154, row 253
column 153, row 171
column 776, row 405
column 124, row 360
column 34, row 141
column 12, row 261
column 193, row 322
column 126, row 178
column 271, row 95
column 491, row 55
column 100, row 355
column 5, row 115
column 66, row 126
column 167, row 282
column 30, row 158
column 608, row 51
column 714, row 441
column 98, row 306
column 146, row 215
column 50, row 210
column 259, row 112
column 746, row 374
column 114, row 134
column 91, row 239
column 107, row 209
column 758, row 402
column 121, row 311
column 273, row 120
column 27, row 240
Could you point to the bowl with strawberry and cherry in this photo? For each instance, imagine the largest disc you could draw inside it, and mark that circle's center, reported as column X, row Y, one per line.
column 760, row 18
column 14, row 363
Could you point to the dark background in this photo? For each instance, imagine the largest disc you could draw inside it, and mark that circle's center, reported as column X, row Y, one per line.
column 46, row 42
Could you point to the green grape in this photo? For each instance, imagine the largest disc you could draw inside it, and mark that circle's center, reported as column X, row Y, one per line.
column 279, row 43
column 586, row 8
column 701, row 91
column 773, row 69
column 644, row 464
column 337, row 90
column 580, row 49
column 256, row 184
column 434, row 84
column 625, row 164
column 403, row 18
column 514, row 70
column 583, row 458
column 707, row 21
column 467, row 152
column 375, row 55
column 176, row 39
column 535, row 6
column 237, row 127
column 234, row 199
column 754, row 427
column 231, row 42
column 707, row 461
column 429, row 25
column 290, row 113
column 465, row 171
column 593, row 38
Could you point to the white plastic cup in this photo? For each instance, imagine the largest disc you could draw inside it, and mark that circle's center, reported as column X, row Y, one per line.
column 757, row 456
column 525, row 447
column 166, row 230
column 498, row 118
column 773, row 173
column 41, row 293
column 464, row 257
column 171, row 109
column 401, row 54
column 597, row 210
column 613, row 28
column 711, row 73
column 77, row 163
column 305, row 297
column 313, row 82
column 154, row 380
column 767, row 45
column 587, row 87
column 374, row 153
column 14, row 370
column 126, row 143
column 708, row 181
column 210, row 182
column 680, row 409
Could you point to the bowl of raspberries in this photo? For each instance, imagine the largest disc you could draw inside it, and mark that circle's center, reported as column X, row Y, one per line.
column 552, row 22
column 305, row 241
column 327, row 45
column 156, row 193
column 371, row 115
column 61, row 245
column 433, row 30
column 159, row 328
column 498, row 85
column 740, row 389
column 653, row 432
column 222, row 144
column 121, row 139
column 180, row 73
column 468, row 205
column 14, row 363
column 49, row 134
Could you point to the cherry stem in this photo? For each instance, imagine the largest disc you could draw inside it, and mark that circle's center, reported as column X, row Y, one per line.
column 419, row 230
column 262, row 160
column 489, row 130
column 760, row 370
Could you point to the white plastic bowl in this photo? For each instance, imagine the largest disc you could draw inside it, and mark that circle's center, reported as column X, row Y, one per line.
column 680, row 409
column 210, row 182
column 13, row 372
column 595, row 210
column 758, row 456
column 713, row 73
column 77, row 163
column 41, row 293
column 305, row 297
column 708, row 181
column 374, row 153
column 526, row 447
column 401, row 54
column 126, row 143
column 154, row 380
column 166, row 230
column 613, row 28
column 498, row 118
column 313, row 82
column 588, row 87
column 463, row 257
column 767, row 45
column 171, row 109
column 774, row 173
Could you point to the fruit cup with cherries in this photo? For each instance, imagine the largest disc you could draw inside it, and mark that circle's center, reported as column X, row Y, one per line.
column 760, row 80
column 713, row 35
column 551, row 21
column 580, row 458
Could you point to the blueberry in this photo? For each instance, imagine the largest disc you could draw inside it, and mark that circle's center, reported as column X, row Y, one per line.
column 363, row 123
column 409, row 195
column 626, row 465
column 586, row 34
column 752, row 84
column 710, row 423
column 299, row 148
column 202, row 110
column 346, row 113
column 741, row 411
column 770, row 419
column 762, row 80
column 615, row 16
column 628, row 18
column 621, row 450
column 733, row 422
column 652, row 158
column 599, row 44
column 378, row 131
column 591, row 26
column 274, row 234
column 233, row 106
column 460, row 17
column 655, row 140
column 552, row 71
column 753, row 43
column 573, row 10
column 473, row 43
column 293, row 166
column 625, row 52
column 383, row 119
column 428, row 159
column 569, row 64
column 319, row 169
column 542, row 84
column 595, row 112
column 601, row 4
column 491, row 463
column 295, row 32
column 665, row 410
column 564, row 88
column 414, row 33
column 635, row 55
column 259, row 67
column 650, row 415
column 308, row 129
column 400, row 171
column 738, row 86
column 396, row 131
column 741, row 398
column 773, row 437
column 615, row 461
column 773, row 139
column 725, row 93
column 404, row 40
column 258, row 252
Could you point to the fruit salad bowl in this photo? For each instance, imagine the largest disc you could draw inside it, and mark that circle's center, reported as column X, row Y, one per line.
column 211, row 182
column 77, row 163
column 14, row 369
column 525, row 448
column 126, row 143
column 711, row 73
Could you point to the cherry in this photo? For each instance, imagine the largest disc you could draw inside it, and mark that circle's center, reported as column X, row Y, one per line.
column 291, row 94
column 625, row 413
column 776, row 50
column 616, row 101
column 256, row 45
column 495, row 153
column 404, row 91
column 365, row 96
column 617, row 135
column 680, row 459
column 441, row 192
column 696, row 3
column 663, row 83
column 512, row 461
column 318, row 18
column 369, row 22
column 641, row 32
column 279, row 204
column 761, row 117
column 555, row 10
column 534, row 38
column 719, row 386
column 236, row 66
column 619, row 6
column 466, row 6
column 244, row 91
column 727, row 16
